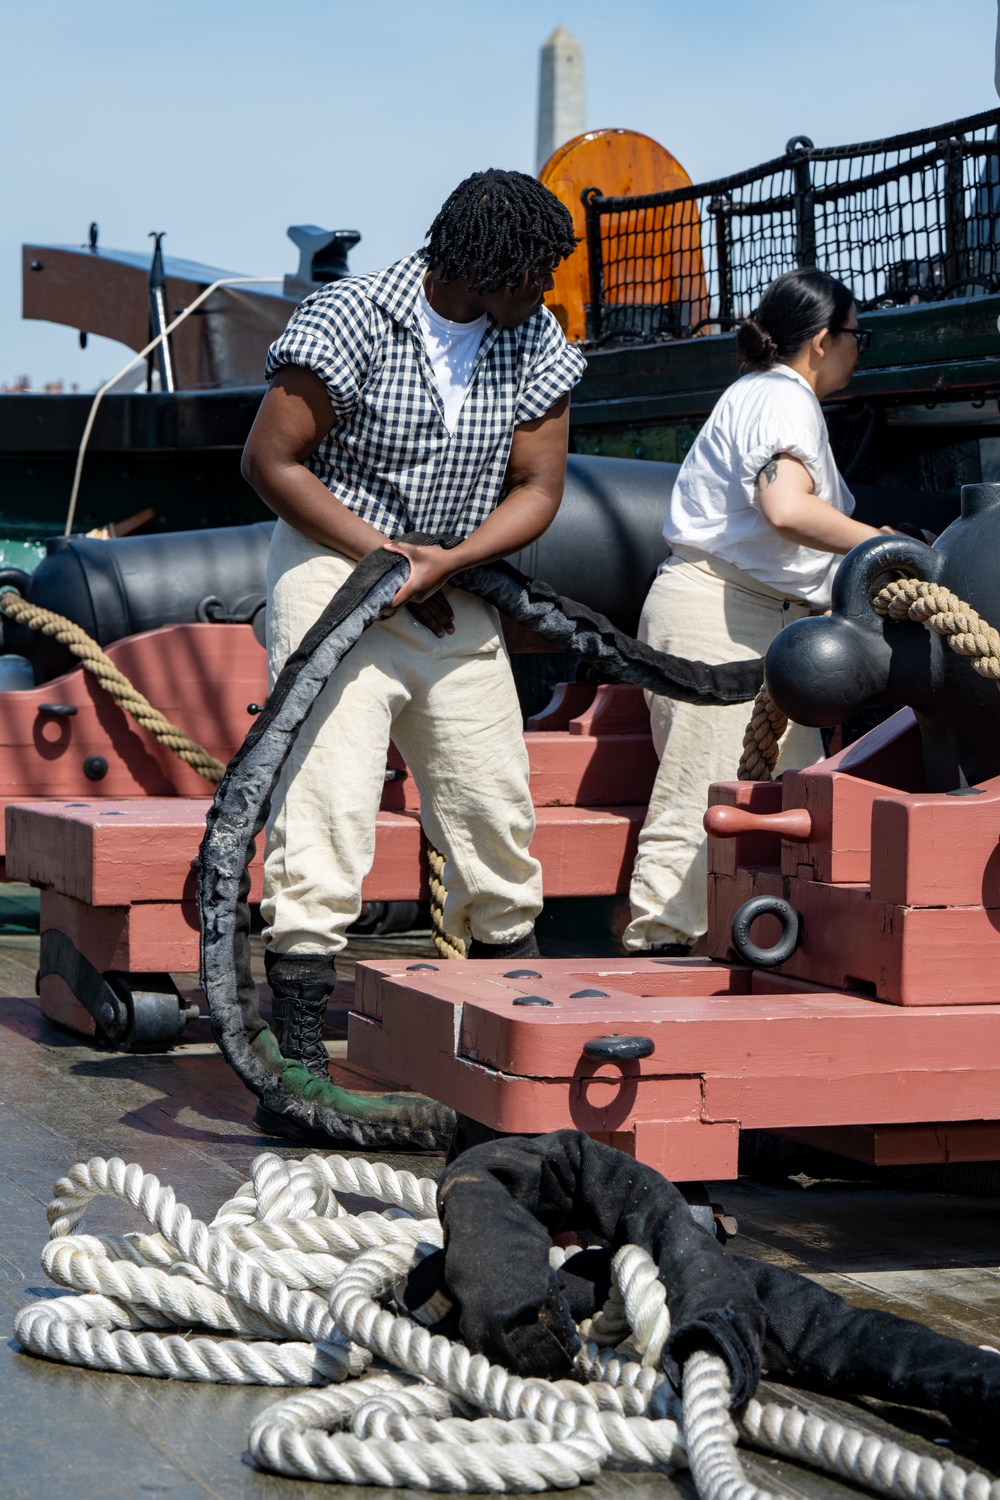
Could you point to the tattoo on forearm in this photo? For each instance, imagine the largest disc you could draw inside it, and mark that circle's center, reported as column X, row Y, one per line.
column 767, row 474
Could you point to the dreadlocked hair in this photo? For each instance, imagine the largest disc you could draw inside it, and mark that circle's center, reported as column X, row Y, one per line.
column 499, row 225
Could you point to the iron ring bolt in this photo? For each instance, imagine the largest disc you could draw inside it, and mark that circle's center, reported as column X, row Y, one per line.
column 791, row 931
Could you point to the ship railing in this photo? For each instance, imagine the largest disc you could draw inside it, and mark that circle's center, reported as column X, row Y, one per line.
column 912, row 218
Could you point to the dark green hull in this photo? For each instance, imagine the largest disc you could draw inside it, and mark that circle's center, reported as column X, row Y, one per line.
column 179, row 454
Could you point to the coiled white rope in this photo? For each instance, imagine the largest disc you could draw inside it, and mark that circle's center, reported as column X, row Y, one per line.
column 287, row 1288
column 870, row 1462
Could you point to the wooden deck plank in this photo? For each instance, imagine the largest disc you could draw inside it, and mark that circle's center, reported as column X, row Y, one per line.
column 929, row 1256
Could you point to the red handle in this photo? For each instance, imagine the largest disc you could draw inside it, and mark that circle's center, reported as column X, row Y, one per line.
column 793, row 824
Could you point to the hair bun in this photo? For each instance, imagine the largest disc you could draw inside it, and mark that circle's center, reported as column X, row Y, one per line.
column 758, row 350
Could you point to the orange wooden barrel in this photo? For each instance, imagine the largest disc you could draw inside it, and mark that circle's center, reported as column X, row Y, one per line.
column 652, row 256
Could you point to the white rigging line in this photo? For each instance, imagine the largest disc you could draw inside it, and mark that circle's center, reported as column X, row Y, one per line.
column 137, row 359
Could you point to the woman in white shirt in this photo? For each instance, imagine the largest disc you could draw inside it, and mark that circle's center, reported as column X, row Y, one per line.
column 758, row 520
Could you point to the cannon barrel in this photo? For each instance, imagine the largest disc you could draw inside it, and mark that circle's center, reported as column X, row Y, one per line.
column 117, row 588
column 603, row 549
column 606, row 543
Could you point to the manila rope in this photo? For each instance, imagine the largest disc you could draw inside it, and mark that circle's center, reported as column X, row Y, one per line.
column 128, row 697
column 556, row 1434
column 967, row 633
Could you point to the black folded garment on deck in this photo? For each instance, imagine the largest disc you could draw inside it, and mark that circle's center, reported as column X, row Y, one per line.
column 861, row 1351
column 500, row 1204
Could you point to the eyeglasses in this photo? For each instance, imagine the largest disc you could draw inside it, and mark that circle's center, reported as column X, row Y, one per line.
column 861, row 336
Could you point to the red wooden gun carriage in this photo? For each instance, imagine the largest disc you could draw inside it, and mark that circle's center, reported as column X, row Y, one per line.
column 866, row 1021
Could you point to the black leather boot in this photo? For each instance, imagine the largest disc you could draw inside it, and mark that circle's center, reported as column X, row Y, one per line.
column 522, row 947
column 300, row 985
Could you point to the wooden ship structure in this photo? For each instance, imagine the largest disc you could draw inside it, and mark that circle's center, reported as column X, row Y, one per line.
column 108, row 825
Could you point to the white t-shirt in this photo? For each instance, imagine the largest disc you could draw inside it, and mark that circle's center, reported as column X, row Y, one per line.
column 713, row 507
column 452, row 349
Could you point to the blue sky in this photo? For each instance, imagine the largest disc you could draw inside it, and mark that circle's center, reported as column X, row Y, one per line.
column 223, row 123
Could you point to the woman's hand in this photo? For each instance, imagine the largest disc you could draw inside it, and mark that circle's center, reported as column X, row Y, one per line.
column 430, row 568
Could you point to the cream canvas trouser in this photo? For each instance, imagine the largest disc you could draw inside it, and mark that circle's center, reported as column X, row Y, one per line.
column 451, row 708
column 709, row 611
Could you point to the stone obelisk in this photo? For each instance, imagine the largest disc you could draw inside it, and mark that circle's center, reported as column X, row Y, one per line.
column 561, row 107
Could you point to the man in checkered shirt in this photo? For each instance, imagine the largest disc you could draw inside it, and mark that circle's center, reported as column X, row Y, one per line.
column 432, row 396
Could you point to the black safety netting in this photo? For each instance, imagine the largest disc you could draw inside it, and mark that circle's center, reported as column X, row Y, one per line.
column 913, row 218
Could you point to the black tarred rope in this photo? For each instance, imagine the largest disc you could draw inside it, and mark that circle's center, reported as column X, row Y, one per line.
column 243, row 800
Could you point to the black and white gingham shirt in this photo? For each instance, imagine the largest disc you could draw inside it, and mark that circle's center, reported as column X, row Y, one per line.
column 389, row 456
